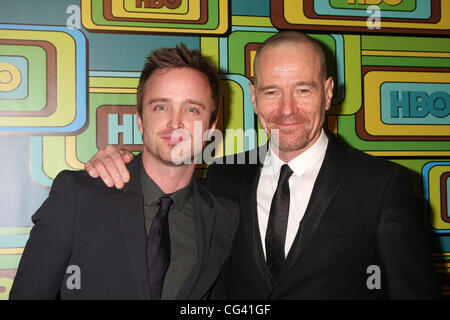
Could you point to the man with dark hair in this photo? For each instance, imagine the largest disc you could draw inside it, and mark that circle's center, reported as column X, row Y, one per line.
column 180, row 57
column 164, row 236
column 319, row 219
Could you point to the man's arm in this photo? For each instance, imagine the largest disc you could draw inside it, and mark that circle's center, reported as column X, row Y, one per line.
column 109, row 164
column 47, row 252
column 403, row 244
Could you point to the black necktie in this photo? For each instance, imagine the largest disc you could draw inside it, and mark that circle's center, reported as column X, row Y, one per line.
column 277, row 225
column 158, row 248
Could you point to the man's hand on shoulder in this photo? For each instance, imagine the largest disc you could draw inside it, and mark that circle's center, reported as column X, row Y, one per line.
column 109, row 164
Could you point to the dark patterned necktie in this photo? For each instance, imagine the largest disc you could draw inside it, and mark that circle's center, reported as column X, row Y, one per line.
column 158, row 248
column 277, row 225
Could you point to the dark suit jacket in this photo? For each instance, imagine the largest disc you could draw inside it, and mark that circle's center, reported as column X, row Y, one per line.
column 101, row 230
column 362, row 212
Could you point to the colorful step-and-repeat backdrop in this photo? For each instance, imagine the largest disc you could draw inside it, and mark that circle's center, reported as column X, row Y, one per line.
column 69, row 71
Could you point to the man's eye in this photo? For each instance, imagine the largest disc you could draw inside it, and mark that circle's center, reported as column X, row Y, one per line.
column 192, row 110
column 304, row 92
column 159, row 108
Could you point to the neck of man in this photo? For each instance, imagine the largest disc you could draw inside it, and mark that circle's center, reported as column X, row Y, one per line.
column 169, row 178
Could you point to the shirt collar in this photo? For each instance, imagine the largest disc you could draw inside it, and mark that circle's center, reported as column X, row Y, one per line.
column 181, row 197
column 152, row 192
column 303, row 161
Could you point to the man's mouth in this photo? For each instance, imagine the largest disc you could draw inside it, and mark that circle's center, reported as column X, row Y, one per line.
column 288, row 124
column 173, row 139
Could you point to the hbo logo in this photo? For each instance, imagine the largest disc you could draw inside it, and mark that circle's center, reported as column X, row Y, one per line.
column 418, row 104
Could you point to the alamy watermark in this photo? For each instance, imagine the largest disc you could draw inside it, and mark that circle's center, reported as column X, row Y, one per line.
column 189, row 148
column 74, row 279
column 374, row 280
column 374, row 20
column 74, row 18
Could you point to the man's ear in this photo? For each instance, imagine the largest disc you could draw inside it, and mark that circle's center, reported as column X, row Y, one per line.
column 211, row 129
column 139, row 123
column 329, row 86
column 253, row 97
column 213, row 125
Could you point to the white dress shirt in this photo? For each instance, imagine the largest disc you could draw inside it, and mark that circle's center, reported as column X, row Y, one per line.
column 306, row 167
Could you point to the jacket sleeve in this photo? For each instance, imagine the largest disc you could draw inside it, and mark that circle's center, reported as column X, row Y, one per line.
column 44, row 260
column 220, row 289
column 404, row 247
column 221, row 181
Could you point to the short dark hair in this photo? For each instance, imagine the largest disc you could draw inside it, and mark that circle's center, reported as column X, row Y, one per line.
column 292, row 37
column 180, row 57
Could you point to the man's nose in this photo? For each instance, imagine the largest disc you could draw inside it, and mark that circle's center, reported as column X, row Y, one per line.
column 175, row 121
column 286, row 107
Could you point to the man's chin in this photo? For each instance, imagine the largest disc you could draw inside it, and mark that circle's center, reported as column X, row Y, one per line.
column 290, row 146
column 178, row 160
column 173, row 162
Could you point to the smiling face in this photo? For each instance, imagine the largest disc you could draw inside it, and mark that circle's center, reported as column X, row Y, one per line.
column 291, row 95
column 174, row 100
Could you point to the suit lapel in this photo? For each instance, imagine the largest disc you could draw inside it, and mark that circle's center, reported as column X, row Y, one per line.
column 252, row 224
column 204, row 216
column 327, row 184
column 204, row 221
column 130, row 209
column 249, row 205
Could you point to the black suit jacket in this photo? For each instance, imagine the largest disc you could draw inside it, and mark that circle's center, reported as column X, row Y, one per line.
column 101, row 230
column 362, row 212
